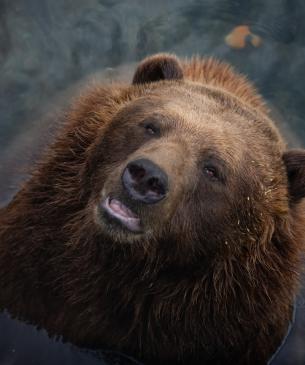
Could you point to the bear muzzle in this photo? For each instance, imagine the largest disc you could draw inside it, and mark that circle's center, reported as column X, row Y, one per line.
column 144, row 184
column 144, row 181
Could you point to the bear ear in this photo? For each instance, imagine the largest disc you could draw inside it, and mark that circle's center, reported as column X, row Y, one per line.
column 295, row 165
column 161, row 66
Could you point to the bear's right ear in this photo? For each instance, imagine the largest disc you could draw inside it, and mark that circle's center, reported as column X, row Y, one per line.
column 295, row 166
column 161, row 66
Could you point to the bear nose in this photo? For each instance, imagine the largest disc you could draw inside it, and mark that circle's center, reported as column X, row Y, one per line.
column 145, row 181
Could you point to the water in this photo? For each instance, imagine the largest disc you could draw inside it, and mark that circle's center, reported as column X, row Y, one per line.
column 22, row 343
column 48, row 49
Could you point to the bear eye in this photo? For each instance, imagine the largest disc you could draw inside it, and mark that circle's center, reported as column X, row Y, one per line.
column 211, row 172
column 151, row 129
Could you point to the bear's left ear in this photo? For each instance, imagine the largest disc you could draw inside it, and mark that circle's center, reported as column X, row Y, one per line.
column 161, row 66
column 295, row 165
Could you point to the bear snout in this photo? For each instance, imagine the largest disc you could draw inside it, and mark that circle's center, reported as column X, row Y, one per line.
column 145, row 181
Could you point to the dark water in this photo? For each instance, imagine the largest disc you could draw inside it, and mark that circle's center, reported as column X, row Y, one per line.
column 49, row 48
column 23, row 344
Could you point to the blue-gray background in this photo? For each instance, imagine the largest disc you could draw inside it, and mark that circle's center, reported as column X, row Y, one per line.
column 48, row 49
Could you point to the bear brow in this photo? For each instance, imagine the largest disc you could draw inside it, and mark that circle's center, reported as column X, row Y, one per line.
column 230, row 102
column 226, row 100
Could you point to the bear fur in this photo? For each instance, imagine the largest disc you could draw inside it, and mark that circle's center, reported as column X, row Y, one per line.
column 209, row 274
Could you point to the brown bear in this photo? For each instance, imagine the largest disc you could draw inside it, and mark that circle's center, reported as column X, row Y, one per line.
column 166, row 221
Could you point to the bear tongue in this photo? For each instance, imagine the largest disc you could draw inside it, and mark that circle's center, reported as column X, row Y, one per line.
column 121, row 209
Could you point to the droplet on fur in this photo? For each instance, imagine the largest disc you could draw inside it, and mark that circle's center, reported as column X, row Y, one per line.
column 240, row 36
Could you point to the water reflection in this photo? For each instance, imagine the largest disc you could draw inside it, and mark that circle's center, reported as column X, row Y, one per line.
column 48, row 49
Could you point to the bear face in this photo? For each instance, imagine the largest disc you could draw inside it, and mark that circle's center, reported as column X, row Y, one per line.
column 209, row 186
column 166, row 221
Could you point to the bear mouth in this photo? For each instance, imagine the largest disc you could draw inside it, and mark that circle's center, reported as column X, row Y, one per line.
column 122, row 214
